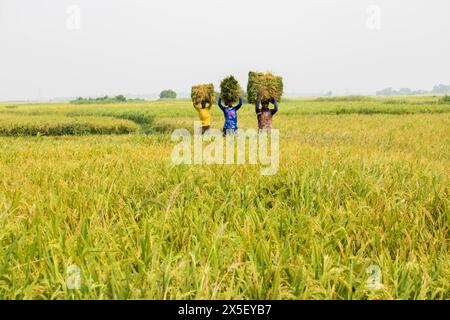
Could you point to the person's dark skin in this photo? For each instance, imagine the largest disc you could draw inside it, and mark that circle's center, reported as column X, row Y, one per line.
column 265, row 105
column 203, row 103
column 264, row 113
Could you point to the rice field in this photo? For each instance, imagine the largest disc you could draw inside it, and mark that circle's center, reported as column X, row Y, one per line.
column 362, row 182
column 63, row 125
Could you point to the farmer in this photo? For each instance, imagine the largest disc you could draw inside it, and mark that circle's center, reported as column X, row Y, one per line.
column 265, row 114
column 230, row 127
column 204, row 112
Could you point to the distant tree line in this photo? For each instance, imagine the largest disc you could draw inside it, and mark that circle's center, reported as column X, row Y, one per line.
column 171, row 94
column 168, row 94
column 438, row 89
column 106, row 99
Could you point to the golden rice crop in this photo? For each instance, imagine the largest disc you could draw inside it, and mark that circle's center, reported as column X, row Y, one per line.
column 14, row 125
column 203, row 93
column 359, row 185
column 265, row 85
column 230, row 90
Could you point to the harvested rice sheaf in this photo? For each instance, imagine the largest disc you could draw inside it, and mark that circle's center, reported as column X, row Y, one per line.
column 230, row 90
column 267, row 85
column 203, row 92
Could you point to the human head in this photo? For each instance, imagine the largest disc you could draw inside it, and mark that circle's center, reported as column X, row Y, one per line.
column 203, row 104
column 265, row 104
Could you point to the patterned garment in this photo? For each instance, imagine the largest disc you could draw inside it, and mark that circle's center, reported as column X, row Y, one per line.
column 265, row 116
column 230, row 132
column 230, row 114
column 265, row 120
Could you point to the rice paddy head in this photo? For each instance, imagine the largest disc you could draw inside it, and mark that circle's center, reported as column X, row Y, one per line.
column 230, row 90
column 203, row 92
column 61, row 125
column 359, row 185
column 267, row 85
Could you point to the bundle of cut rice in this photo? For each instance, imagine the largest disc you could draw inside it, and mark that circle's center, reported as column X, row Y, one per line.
column 266, row 85
column 203, row 92
column 230, row 90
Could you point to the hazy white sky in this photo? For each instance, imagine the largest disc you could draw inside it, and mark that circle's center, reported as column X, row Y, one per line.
column 137, row 46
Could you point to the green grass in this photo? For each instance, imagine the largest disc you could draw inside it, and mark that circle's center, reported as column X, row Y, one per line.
column 354, row 189
column 13, row 125
column 445, row 99
column 345, row 99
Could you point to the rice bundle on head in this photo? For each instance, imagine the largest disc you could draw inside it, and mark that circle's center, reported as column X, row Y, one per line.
column 230, row 90
column 203, row 93
column 266, row 85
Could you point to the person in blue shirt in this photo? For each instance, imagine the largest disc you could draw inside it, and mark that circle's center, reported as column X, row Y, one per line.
column 230, row 114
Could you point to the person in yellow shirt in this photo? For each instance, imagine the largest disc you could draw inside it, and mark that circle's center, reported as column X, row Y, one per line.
column 204, row 111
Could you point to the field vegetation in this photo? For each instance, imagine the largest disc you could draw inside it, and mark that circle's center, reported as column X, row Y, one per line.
column 363, row 181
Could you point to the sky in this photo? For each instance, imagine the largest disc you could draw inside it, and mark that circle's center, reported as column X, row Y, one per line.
column 60, row 48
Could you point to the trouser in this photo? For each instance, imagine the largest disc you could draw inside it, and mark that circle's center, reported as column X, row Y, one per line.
column 205, row 129
column 265, row 130
column 229, row 132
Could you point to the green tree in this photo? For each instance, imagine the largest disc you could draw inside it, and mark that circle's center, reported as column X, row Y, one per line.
column 120, row 98
column 168, row 94
column 445, row 99
column 244, row 95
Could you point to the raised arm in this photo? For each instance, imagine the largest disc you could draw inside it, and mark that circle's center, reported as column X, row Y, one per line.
column 275, row 106
column 196, row 106
column 240, row 104
column 257, row 106
column 220, row 105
